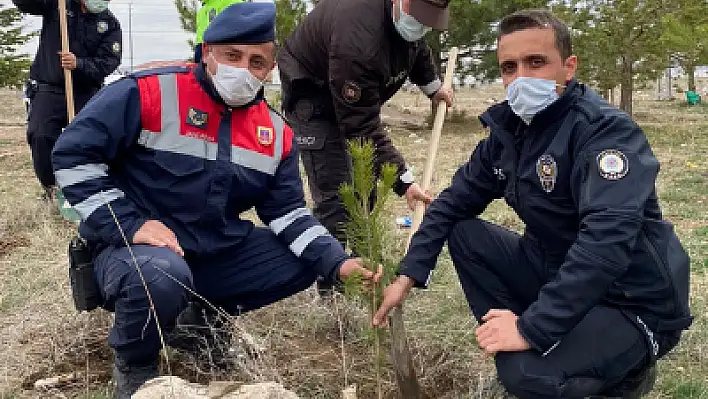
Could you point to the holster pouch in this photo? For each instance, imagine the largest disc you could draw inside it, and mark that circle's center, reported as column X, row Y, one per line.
column 84, row 287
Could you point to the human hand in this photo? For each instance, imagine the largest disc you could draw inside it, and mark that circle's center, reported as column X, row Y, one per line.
column 414, row 194
column 500, row 334
column 444, row 94
column 354, row 267
column 393, row 296
column 68, row 60
column 154, row 233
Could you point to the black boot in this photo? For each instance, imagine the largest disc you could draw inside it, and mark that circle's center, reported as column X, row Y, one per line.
column 634, row 386
column 202, row 334
column 129, row 378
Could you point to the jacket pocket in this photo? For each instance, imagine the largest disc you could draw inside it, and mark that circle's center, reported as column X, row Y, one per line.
column 311, row 135
column 179, row 165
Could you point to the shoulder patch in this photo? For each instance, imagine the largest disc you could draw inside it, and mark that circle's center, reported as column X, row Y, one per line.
column 612, row 164
column 351, row 92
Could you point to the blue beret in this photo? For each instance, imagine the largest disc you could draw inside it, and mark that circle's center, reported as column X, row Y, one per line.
column 243, row 23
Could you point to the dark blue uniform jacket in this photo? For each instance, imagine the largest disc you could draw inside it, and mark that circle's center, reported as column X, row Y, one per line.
column 582, row 178
column 95, row 39
column 198, row 182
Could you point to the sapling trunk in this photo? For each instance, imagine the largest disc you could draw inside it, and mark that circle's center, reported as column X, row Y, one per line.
column 368, row 230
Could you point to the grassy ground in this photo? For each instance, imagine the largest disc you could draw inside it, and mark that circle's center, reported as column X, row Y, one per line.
column 313, row 348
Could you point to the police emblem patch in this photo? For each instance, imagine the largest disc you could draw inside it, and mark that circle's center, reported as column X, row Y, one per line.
column 304, row 109
column 547, row 171
column 116, row 47
column 212, row 14
column 612, row 164
column 351, row 92
column 197, row 118
column 265, row 135
column 102, row 26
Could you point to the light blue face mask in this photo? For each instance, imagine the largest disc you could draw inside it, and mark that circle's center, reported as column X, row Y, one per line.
column 96, row 6
column 528, row 96
column 408, row 27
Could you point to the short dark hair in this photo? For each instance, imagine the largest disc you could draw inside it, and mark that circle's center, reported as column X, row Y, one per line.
column 538, row 18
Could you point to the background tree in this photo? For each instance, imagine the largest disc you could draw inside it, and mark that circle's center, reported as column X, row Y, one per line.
column 685, row 36
column 187, row 10
column 289, row 13
column 618, row 42
column 14, row 66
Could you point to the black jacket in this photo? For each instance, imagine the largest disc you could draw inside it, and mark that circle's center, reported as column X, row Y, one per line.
column 95, row 40
column 597, row 214
column 351, row 52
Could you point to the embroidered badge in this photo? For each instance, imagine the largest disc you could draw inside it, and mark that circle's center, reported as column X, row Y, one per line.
column 612, row 164
column 212, row 14
column 304, row 109
column 102, row 26
column 197, row 118
column 265, row 135
column 116, row 47
column 547, row 171
column 351, row 92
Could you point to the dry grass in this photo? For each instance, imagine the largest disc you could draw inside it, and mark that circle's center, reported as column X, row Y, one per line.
column 312, row 347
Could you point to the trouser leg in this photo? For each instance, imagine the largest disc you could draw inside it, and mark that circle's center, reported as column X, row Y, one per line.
column 603, row 349
column 134, row 335
column 46, row 119
column 259, row 272
column 498, row 269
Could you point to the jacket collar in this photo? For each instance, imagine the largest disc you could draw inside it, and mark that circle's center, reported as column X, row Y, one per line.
column 205, row 82
column 501, row 115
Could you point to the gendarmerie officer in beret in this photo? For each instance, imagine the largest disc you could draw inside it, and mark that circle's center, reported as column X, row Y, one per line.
column 183, row 152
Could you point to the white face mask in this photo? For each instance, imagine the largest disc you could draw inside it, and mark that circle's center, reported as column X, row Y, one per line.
column 528, row 96
column 236, row 86
column 408, row 27
column 96, row 6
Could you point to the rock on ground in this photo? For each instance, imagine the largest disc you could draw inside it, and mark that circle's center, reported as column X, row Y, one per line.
column 175, row 387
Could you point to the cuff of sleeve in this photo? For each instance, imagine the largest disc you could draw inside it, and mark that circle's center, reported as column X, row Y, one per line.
column 431, row 88
column 80, row 63
column 334, row 273
column 403, row 182
column 420, row 275
column 535, row 337
column 130, row 227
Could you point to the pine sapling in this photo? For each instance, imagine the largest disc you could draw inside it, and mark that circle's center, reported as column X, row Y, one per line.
column 368, row 230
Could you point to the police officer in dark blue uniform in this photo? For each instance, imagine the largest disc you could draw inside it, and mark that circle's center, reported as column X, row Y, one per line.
column 95, row 48
column 183, row 152
column 596, row 289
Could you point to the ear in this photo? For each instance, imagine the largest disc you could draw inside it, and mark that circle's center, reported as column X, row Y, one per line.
column 571, row 67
